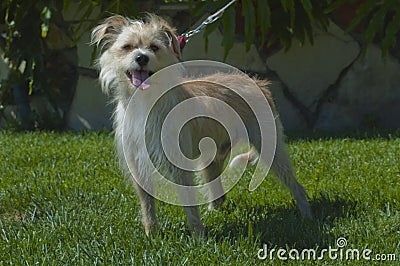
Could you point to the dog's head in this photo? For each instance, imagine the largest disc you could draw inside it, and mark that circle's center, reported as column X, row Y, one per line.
column 132, row 50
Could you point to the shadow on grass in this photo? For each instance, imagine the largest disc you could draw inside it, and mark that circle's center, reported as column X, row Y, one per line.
column 285, row 227
column 368, row 133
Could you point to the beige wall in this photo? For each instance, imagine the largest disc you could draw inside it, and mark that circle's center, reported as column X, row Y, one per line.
column 334, row 87
column 328, row 85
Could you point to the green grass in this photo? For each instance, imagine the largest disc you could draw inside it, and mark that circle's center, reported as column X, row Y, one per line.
column 63, row 202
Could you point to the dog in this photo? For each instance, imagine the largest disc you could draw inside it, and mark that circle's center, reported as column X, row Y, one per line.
column 133, row 50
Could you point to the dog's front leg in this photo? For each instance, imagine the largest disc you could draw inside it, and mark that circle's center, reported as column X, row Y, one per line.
column 196, row 226
column 148, row 210
column 142, row 179
column 187, row 192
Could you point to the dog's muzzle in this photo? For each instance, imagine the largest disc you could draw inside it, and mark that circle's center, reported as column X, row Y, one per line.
column 140, row 77
column 142, row 60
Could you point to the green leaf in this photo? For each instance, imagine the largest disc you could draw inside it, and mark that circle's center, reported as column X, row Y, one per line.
column 46, row 13
column 199, row 9
column 67, row 3
column 45, row 30
column 310, row 33
column 362, row 12
column 45, row 16
column 229, row 23
column 248, row 12
column 334, row 5
column 264, row 19
column 300, row 34
column 87, row 13
column 307, row 5
column 375, row 25
column 391, row 32
column 30, row 87
column 286, row 40
column 289, row 7
column 207, row 31
column 32, row 80
column 286, row 4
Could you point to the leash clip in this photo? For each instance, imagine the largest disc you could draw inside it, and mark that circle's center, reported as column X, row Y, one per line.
column 184, row 37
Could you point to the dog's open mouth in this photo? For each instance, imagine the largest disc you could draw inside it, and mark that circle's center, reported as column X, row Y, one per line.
column 140, row 78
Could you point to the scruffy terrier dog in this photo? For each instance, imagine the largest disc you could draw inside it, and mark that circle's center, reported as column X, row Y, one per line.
column 133, row 50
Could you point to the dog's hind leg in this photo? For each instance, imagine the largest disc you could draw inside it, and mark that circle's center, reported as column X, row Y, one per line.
column 212, row 176
column 282, row 168
column 216, row 191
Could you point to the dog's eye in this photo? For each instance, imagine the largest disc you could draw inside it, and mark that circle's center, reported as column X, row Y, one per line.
column 154, row 47
column 127, row 47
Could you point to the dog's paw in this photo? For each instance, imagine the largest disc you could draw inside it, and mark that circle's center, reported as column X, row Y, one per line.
column 151, row 230
column 215, row 204
column 306, row 212
column 198, row 231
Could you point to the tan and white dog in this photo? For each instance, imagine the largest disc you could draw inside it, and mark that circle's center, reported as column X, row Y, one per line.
column 133, row 50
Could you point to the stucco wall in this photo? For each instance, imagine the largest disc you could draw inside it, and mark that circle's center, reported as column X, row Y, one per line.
column 90, row 109
column 329, row 85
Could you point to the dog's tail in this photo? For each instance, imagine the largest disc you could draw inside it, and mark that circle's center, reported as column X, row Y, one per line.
column 247, row 159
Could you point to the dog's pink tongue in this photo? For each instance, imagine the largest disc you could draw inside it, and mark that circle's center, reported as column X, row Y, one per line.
column 140, row 79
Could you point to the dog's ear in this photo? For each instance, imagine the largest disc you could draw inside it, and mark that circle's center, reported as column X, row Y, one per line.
column 173, row 39
column 106, row 33
column 169, row 31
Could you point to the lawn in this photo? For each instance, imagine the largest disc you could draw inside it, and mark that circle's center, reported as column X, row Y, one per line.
column 63, row 202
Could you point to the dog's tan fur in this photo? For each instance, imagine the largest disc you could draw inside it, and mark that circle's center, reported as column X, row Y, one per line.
column 122, row 41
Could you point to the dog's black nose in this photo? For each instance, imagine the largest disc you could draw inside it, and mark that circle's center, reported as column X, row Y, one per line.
column 142, row 59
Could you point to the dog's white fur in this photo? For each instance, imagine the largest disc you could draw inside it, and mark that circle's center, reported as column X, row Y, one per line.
column 122, row 41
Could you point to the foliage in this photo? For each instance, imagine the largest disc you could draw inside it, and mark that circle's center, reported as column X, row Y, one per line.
column 381, row 20
column 280, row 21
column 29, row 22
column 25, row 27
column 63, row 202
column 31, row 45
column 87, row 9
column 265, row 23
column 272, row 23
